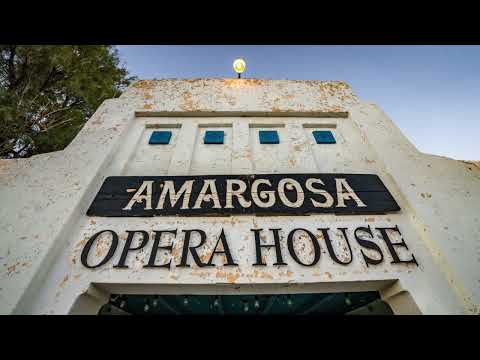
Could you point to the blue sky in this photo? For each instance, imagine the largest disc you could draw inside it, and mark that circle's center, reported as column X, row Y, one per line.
column 432, row 93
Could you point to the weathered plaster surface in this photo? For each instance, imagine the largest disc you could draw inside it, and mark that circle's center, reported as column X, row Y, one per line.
column 443, row 198
column 43, row 223
column 241, row 95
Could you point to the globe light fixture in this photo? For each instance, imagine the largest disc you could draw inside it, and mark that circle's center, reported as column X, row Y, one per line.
column 239, row 66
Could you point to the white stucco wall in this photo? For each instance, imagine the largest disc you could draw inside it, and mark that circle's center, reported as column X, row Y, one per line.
column 43, row 225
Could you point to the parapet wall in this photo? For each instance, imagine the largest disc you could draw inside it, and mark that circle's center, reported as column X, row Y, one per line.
column 217, row 95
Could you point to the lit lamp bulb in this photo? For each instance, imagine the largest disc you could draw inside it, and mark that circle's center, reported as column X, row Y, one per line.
column 245, row 305
column 239, row 66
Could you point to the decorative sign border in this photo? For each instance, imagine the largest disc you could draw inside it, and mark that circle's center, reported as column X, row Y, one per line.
column 224, row 195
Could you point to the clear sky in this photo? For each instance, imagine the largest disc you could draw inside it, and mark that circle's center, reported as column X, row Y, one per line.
column 432, row 93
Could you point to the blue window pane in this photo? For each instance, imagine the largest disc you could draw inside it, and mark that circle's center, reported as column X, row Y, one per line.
column 160, row 137
column 269, row 137
column 324, row 137
column 214, row 137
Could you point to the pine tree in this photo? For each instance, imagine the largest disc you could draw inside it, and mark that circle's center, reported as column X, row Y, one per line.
column 48, row 92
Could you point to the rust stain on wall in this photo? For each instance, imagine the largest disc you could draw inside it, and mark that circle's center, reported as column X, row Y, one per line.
column 65, row 279
column 232, row 278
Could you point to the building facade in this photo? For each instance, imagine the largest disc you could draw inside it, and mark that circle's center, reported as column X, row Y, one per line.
column 209, row 187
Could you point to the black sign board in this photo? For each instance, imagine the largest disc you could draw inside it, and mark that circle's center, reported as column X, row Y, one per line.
column 223, row 195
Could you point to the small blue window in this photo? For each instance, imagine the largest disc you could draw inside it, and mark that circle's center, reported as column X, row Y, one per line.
column 269, row 137
column 324, row 137
column 160, row 138
column 214, row 137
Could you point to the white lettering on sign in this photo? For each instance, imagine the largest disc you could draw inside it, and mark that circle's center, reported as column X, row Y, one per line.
column 284, row 194
column 263, row 198
column 242, row 187
column 209, row 184
column 290, row 184
column 350, row 194
column 269, row 196
column 169, row 189
column 328, row 198
column 139, row 197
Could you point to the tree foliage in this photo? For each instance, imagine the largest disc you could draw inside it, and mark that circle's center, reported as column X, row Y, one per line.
column 48, row 92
